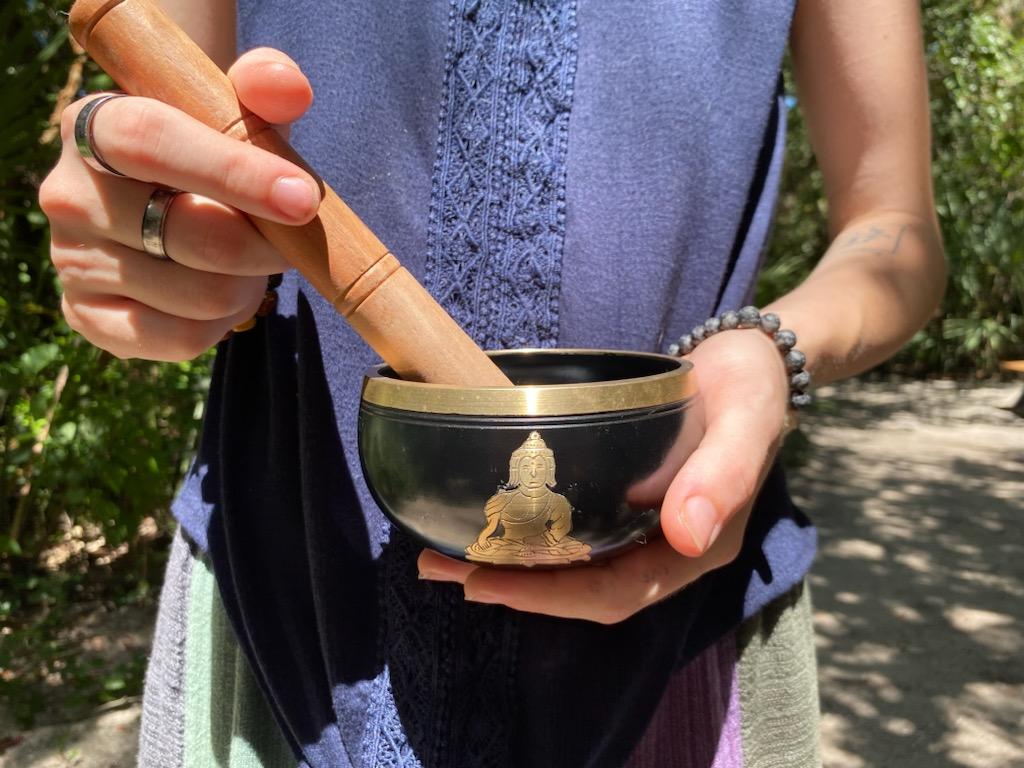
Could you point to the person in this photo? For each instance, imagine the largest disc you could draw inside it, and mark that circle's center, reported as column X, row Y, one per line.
column 558, row 174
column 534, row 520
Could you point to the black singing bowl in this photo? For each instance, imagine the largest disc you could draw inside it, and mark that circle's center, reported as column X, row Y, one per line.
column 568, row 466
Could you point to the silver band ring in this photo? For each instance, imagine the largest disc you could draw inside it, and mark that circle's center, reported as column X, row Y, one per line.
column 84, row 138
column 154, row 221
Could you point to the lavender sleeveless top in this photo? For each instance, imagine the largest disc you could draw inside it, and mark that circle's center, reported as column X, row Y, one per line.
column 558, row 173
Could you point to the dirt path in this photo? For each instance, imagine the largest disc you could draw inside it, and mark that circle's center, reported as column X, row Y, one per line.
column 107, row 740
column 918, row 492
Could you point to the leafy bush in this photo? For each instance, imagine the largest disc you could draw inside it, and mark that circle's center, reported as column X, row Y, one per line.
column 82, row 435
column 975, row 54
column 89, row 445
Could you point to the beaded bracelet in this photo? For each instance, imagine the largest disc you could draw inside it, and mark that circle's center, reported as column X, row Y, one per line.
column 751, row 317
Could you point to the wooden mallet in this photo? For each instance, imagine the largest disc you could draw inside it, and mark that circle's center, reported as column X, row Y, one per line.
column 147, row 54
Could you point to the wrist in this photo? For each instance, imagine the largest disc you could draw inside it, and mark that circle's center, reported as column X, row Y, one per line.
column 764, row 333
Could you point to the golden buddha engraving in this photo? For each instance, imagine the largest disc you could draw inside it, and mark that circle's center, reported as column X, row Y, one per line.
column 527, row 522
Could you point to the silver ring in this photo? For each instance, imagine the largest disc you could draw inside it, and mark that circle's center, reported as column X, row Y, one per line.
column 84, row 139
column 154, row 221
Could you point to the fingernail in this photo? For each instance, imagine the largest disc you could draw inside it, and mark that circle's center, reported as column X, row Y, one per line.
column 482, row 596
column 701, row 519
column 273, row 67
column 294, row 197
column 428, row 574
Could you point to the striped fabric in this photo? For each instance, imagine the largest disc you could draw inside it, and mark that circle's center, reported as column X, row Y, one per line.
column 227, row 721
column 202, row 707
column 748, row 701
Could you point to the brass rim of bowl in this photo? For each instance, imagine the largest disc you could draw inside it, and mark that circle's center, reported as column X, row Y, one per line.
column 673, row 386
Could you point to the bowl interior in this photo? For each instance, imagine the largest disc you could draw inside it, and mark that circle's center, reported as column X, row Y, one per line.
column 552, row 367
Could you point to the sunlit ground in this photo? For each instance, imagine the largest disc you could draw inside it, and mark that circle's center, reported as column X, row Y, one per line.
column 918, row 491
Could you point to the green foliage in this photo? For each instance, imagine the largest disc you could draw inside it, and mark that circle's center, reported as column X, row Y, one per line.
column 85, row 439
column 108, row 446
column 977, row 82
column 975, row 52
column 72, row 643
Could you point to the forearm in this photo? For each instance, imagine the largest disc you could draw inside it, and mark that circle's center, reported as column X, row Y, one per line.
column 878, row 283
column 860, row 72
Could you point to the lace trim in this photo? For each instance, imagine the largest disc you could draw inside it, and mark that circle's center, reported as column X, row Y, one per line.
column 497, row 222
column 405, row 702
column 497, row 227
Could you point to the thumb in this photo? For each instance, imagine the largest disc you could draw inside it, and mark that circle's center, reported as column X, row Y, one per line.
column 720, row 477
column 271, row 84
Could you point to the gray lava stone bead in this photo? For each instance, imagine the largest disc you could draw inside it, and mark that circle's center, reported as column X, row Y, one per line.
column 800, row 380
column 729, row 320
column 800, row 400
column 750, row 317
column 785, row 340
column 697, row 333
column 673, row 349
column 686, row 344
column 795, row 360
column 770, row 322
column 711, row 326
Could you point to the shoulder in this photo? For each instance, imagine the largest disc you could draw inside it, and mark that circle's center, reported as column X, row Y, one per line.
column 497, row 502
column 560, row 503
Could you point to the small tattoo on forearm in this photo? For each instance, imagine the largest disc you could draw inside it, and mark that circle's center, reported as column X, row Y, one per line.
column 874, row 240
column 863, row 237
column 899, row 237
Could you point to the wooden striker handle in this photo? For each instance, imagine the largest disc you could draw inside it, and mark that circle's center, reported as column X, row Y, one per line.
column 149, row 55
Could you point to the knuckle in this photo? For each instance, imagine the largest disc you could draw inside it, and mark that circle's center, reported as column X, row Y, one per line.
column 240, row 170
column 193, row 339
column 744, row 481
column 221, row 244
column 67, row 122
column 137, row 133
column 80, row 323
column 60, row 201
column 51, row 196
column 180, row 341
column 220, row 296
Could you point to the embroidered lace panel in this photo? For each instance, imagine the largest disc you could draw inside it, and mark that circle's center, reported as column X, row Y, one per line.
column 497, row 225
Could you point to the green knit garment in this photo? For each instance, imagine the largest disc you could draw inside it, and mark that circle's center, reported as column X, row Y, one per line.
column 779, row 685
column 227, row 721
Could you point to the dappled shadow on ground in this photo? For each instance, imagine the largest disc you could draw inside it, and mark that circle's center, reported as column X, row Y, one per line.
column 105, row 740
column 919, row 585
